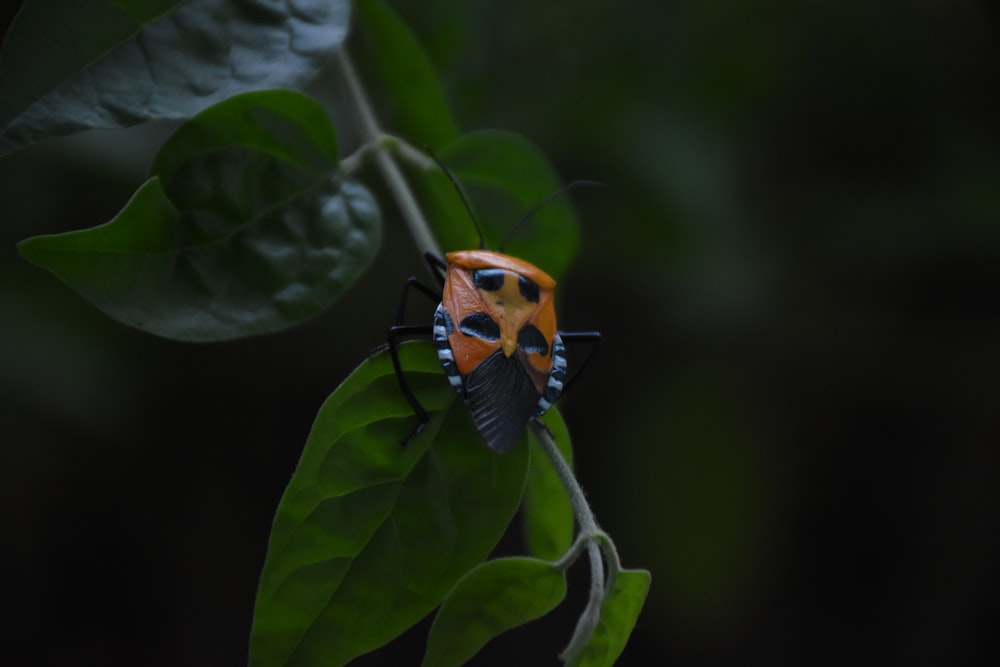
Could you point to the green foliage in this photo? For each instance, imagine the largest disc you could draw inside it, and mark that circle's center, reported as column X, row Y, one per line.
column 618, row 616
column 250, row 223
column 246, row 226
column 370, row 536
column 491, row 599
column 505, row 176
column 417, row 104
column 121, row 63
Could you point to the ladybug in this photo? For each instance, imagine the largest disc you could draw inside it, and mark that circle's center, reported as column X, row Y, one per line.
column 496, row 337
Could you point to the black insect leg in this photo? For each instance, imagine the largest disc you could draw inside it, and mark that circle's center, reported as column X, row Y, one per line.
column 437, row 266
column 591, row 337
column 395, row 334
column 413, row 283
column 401, row 331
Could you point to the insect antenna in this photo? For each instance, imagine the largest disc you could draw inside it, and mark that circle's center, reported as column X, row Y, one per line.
column 461, row 193
column 534, row 209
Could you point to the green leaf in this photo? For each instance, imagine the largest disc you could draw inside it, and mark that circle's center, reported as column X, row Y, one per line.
column 416, row 100
column 491, row 599
column 504, row 176
column 70, row 66
column 245, row 227
column 619, row 613
column 370, row 536
column 548, row 514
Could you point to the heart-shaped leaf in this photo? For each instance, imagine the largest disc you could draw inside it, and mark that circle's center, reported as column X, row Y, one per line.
column 246, row 227
column 370, row 535
column 491, row 599
column 70, row 66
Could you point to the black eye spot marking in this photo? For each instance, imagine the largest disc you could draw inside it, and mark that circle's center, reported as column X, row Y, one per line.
column 529, row 290
column 480, row 325
column 489, row 280
column 530, row 339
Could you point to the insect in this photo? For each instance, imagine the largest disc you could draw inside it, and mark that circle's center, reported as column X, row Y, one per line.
column 496, row 336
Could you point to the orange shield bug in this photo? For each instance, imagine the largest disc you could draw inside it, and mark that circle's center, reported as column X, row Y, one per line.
column 496, row 336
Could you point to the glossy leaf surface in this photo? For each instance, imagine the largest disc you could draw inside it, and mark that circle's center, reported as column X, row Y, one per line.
column 370, row 536
column 70, row 66
column 491, row 599
column 245, row 227
column 618, row 616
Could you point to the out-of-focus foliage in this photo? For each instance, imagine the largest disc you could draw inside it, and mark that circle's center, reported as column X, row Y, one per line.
column 245, row 226
column 792, row 417
column 72, row 66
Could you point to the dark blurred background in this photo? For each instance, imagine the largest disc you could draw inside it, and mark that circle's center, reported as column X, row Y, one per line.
column 793, row 420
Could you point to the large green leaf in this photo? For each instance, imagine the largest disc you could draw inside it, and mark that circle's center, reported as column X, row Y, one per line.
column 504, row 176
column 70, row 65
column 548, row 514
column 417, row 105
column 246, row 226
column 370, row 535
column 618, row 616
column 491, row 599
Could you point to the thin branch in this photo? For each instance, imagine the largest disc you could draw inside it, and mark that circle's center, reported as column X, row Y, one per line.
column 398, row 187
column 590, row 532
column 581, row 510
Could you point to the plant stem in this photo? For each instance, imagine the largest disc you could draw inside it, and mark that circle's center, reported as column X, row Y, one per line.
column 590, row 532
column 581, row 510
column 398, row 187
